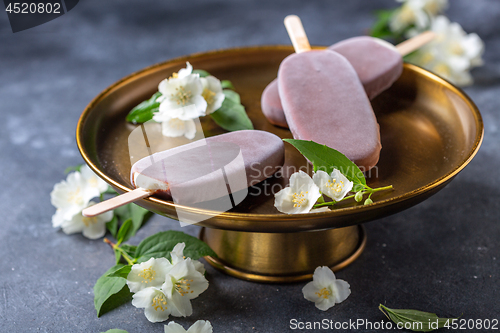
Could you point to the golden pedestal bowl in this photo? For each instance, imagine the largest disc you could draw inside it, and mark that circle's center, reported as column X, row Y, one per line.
column 430, row 131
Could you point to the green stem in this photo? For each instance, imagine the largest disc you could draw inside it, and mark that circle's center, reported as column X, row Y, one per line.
column 366, row 187
column 370, row 190
column 117, row 247
column 323, row 204
column 129, row 260
column 382, row 189
column 331, row 203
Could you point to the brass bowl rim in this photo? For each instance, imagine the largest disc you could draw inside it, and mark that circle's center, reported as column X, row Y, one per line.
column 278, row 217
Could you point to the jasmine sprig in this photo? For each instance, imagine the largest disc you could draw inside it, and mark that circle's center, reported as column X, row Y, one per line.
column 381, row 28
column 335, row 174
column 216, row 99
column 358, row 196
column 74, row 194
column 116, row 247
column 452, row 53
column 412, row 15
column 111, row 289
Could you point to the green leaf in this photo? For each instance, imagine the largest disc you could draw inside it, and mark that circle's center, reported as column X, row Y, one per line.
column 145, row 110
column 73, row 168
column 115, row 330
column 123, row 212
column 232, row 95
column 326, row 159
column 118, row 256
column 381, row 28
column 161, row 244
column 226, row 84
column 110, row 190
column 357, row 188
column 112, row 226
column 125, row 232
column 110, row 292
column 138, row 215
column 201, row 72
column 231, row 116
column 121, row 272
column 129, row 249
column 414, row 320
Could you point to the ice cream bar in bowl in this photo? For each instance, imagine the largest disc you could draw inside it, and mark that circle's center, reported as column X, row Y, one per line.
column 218, row 167
column 324, row 100
column 377, row 63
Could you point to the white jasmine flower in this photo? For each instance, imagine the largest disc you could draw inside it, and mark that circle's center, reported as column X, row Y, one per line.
column 72, row 195
column 177, row 255
column 174, row 127
column 335, row 185
column 69, row 197
column 299, row 197
column 183, row 283
column 212, row 93
column 184, row 71
column 410, row 13
column 452, row 53
column 320, row 210
column 417, row 13
column 198, row 266
column 181, row 92
column 148, row 274
column 157, row 306
column 188, row 112
column 325, row 290
column 94, row 186
column 434, row 7
column 58, row 218
column 201, row 326
column 91, row 227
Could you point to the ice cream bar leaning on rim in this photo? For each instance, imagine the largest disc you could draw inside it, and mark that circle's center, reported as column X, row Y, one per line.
column 377, row 63
column 203, row 170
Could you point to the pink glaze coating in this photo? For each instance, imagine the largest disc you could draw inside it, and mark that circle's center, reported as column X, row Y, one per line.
column 195, row 166
column 325, row 102
column 377, row 63
column 270, row 103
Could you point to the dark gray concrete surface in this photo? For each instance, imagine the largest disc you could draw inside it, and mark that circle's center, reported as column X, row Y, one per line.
column 440, row 256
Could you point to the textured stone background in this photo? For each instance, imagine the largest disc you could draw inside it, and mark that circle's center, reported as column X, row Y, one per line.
column 441, row 256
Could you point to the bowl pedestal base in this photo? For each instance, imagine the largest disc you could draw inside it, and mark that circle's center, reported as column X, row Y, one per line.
column 283, row 257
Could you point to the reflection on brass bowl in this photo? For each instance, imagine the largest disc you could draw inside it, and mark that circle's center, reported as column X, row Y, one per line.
column 430, row 131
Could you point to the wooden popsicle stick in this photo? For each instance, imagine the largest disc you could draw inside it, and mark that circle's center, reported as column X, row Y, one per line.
column 296, row 32
column 120, row 200
column 414, row 43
